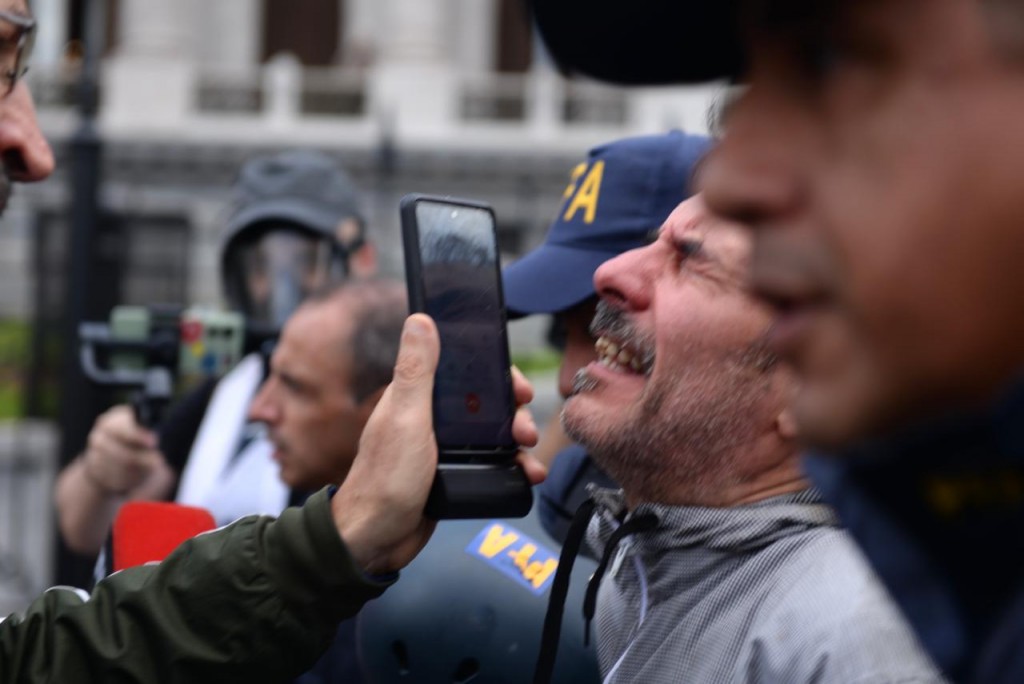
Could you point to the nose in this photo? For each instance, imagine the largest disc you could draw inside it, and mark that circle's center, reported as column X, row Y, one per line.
column 625, row 281
column 25, row 154
column 263, row 407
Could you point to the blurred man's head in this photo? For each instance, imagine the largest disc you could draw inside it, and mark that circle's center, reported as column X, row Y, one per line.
column 615, row 201
column 25, row 156
column 296, row 230
column 685, row 404
column 334, row 358
column 878, row 152
column 889, row 228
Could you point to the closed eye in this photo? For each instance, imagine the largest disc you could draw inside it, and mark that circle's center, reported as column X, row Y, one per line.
column 293, row 384
column 688, row 248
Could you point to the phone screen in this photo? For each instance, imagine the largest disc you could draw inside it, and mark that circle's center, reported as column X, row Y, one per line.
column 473, row 401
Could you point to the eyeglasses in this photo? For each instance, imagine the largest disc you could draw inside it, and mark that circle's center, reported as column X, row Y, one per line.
column 17, row 36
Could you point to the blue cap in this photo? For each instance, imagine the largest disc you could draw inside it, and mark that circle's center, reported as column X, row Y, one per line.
column 614, row 202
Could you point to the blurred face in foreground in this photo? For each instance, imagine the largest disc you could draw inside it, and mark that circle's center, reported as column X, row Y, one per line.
column 683, row 404
column 25, row 154
column 878, row 153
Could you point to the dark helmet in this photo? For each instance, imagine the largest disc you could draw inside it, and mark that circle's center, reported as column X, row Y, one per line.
column 294, row 223
column 470, row 608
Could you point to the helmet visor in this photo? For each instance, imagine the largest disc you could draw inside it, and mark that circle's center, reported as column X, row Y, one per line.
column 269, row 273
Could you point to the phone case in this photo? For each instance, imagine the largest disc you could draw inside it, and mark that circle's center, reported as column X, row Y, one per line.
column 474, row 480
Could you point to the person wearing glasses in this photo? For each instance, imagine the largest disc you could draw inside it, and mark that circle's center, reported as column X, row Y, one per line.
column 26, row 156
column 259, row 600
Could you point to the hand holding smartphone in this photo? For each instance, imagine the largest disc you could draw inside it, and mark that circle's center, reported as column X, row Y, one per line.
column 454, row 276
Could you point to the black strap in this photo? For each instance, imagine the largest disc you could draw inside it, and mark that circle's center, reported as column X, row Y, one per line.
column 559, row 591
column 641, row 523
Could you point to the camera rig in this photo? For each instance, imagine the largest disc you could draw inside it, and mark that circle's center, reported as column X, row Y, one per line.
column 148, row 349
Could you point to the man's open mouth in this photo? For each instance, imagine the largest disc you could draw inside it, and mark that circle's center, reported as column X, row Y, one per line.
column 619, row 356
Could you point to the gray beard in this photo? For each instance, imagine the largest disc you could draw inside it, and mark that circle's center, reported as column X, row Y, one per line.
column 583, row 382
column 680, row 448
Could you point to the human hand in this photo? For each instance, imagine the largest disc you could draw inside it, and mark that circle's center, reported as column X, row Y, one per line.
column 120, row 454
column 379, row 508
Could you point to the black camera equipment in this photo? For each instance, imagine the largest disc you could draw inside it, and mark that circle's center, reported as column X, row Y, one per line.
column 148, row 349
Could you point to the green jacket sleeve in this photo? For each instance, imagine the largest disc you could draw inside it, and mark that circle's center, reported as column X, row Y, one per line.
column 257, row 601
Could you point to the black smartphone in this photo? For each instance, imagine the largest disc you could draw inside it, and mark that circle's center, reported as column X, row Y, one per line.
column 454, row 275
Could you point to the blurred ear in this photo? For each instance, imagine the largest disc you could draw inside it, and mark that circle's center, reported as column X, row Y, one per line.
column 785, row 424
column 363, row 262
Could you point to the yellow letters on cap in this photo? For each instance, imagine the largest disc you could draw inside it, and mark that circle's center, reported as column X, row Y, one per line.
column 586, row 195
column 574, row 178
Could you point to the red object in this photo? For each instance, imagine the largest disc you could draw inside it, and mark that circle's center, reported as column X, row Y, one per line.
column 191, row 331
column 146, row 531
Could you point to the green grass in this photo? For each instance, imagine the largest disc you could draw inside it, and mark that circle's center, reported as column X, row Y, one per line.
column 541, row 361
column 14, row 359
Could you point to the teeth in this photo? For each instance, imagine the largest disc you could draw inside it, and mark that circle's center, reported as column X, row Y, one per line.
column 611, row 355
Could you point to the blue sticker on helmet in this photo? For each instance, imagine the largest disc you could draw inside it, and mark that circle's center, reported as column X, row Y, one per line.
column 529, row 563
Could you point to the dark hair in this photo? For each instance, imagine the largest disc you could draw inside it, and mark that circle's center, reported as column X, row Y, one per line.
column 379, row 317
column 717, row 115
column 378, row 308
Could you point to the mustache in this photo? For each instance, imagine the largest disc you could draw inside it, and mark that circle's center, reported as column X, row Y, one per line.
column 611, row 322
column 583, row 382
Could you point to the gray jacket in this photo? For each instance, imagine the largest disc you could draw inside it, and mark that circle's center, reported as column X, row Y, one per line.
column 770, row 592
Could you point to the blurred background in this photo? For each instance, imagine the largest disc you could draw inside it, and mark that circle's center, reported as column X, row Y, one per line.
column 441, row 96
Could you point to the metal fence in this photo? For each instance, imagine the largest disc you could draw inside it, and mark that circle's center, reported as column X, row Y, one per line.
column 28, row 457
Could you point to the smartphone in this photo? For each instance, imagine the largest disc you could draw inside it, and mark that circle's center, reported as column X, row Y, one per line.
column 453, row 275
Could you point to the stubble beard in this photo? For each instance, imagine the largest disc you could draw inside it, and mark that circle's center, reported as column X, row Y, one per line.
column 686, row 438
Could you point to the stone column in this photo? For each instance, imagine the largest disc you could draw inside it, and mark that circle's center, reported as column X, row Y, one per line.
column 150, row 82
column 546, row 93
column 414, row 85
column 476, row 36
column 230, row 33
column 51, row 34
column 362, row 31
column 416, row 31
column 159, row 28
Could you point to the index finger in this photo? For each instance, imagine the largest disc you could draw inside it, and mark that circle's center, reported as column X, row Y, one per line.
column 521, row 387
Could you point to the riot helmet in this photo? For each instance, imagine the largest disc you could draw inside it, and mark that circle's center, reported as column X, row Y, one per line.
column 471, row 607
column 295, row 220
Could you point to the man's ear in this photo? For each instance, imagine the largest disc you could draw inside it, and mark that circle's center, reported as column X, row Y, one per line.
column 785, row 424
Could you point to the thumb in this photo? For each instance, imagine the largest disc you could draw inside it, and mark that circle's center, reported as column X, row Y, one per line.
column 413, row 382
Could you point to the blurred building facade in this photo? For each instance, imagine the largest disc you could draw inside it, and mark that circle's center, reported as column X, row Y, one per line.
column 449, row 96
column 441, row 96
